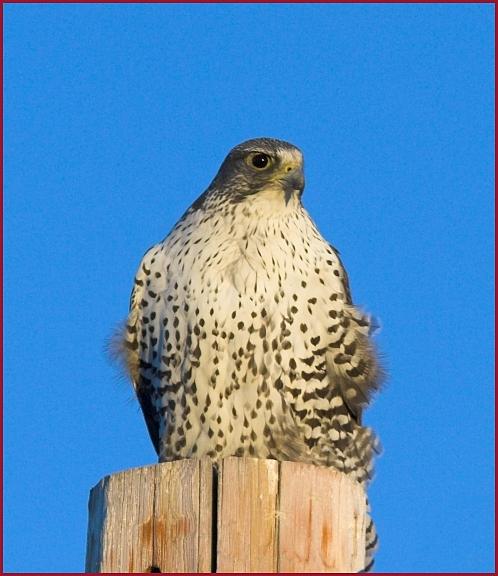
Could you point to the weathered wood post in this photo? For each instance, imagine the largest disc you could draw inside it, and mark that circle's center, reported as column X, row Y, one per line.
column 249, row 515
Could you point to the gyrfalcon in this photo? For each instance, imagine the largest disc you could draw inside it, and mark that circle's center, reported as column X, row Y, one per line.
column 242, row 338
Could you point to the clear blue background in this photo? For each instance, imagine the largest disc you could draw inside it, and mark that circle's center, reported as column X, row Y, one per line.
column 116, row 119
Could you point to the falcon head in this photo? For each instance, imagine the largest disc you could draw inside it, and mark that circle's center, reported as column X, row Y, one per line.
column 261, row 165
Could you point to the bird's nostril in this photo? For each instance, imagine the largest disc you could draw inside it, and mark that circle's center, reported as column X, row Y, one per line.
column 289, row 168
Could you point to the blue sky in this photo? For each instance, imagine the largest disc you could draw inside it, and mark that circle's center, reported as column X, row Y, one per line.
column 116, row 119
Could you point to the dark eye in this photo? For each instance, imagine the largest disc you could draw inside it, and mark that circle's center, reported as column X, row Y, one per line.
column 259, row 160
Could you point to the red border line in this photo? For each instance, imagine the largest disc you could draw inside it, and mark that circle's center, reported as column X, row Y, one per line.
column 253, row 2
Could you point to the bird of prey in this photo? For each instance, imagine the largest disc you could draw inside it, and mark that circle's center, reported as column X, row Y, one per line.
column 242, row 338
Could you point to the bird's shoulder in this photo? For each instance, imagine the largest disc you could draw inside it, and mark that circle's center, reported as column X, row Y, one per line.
column 339, row 270
column 328, row 264
column 150, row 277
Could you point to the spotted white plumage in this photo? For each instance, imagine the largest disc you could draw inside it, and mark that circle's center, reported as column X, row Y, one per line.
column 242, row 338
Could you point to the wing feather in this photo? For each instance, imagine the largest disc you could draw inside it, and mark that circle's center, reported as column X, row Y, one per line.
column 142, row 337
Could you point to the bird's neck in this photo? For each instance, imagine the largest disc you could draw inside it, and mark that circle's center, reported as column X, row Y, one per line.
column 270, row 204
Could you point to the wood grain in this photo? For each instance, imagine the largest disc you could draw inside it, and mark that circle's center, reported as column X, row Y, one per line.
column 120, row 528
column 322, row 520
column 263, row 515
column 182, row 516
column 247, row 515
column 156, row 518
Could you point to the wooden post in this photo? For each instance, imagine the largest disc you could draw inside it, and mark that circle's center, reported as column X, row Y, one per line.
column 249, row 515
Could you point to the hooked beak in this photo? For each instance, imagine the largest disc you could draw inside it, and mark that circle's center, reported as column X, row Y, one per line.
column 293, row 182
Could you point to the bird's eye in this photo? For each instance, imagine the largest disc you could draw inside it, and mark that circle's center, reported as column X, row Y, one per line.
column 259, row 160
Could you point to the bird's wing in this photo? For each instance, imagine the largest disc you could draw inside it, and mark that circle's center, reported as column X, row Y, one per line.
column 343, row 275
column 143, row 336
column 351, row 358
